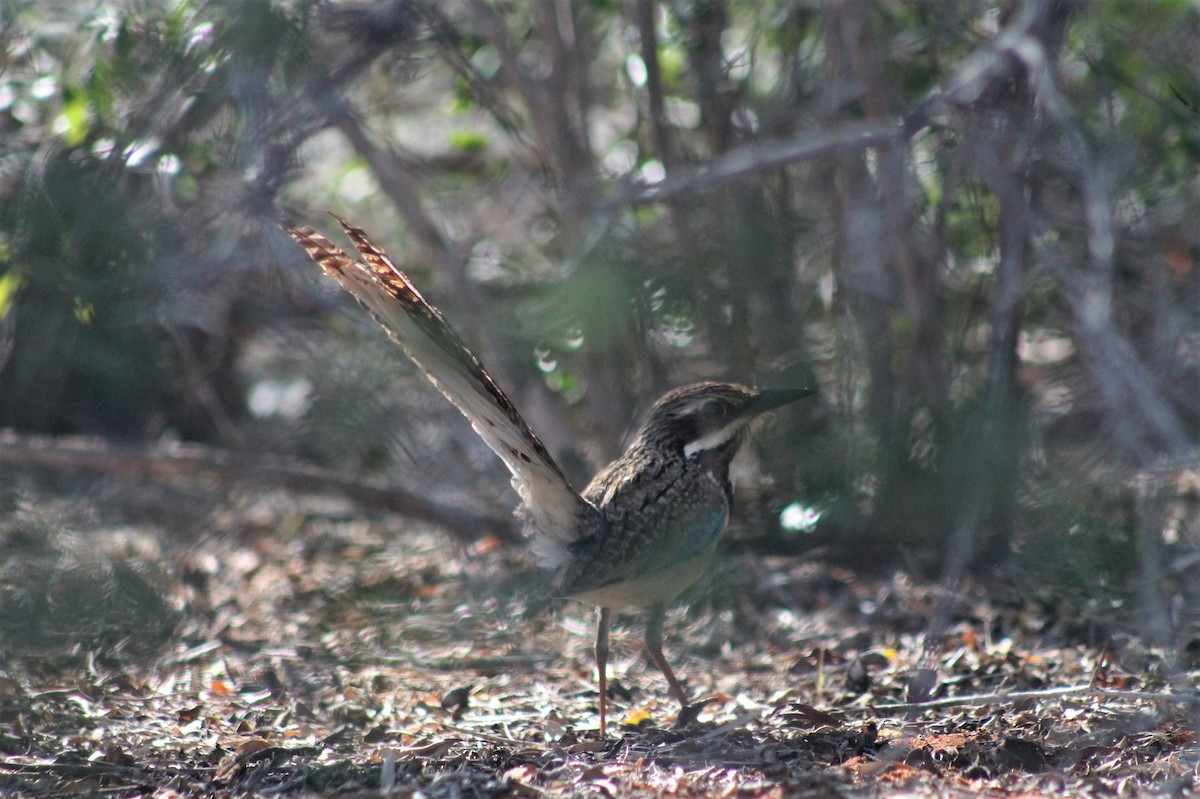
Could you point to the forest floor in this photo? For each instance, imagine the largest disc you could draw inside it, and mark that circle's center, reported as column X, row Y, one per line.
column 272, row 644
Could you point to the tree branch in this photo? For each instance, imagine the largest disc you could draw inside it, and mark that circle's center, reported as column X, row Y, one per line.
column 751, row 159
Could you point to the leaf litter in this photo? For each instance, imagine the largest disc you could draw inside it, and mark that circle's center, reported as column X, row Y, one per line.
column 281, row 645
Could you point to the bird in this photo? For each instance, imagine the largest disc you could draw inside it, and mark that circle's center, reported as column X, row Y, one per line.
column 646, row 527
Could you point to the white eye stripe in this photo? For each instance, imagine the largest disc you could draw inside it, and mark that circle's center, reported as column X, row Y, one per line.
column 713, row 440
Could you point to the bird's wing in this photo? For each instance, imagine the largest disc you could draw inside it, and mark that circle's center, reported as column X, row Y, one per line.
column 657, row 515
column 635, row 558
column 554, row 508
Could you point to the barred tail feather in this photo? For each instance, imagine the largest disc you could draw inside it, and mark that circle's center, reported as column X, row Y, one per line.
column 554, row 511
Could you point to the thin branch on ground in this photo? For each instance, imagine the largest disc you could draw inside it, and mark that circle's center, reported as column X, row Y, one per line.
column 1008, row 697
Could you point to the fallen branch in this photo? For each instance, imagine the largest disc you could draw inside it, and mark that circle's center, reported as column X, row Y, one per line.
column 142, row 462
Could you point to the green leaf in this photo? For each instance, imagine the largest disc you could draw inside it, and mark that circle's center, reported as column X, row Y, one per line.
column 468, row 141
column 85, row 312
column 75, row 111
column 10, row 284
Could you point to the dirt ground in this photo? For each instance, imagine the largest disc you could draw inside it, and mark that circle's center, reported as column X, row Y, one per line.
column 266, row 643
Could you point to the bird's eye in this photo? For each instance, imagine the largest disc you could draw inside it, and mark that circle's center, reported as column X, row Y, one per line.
column 712, row 411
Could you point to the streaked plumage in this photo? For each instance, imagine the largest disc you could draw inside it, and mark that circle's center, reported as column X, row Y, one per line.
column 646, row 526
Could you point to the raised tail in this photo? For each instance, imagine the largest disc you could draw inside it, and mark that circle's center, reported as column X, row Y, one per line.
column 556, row 514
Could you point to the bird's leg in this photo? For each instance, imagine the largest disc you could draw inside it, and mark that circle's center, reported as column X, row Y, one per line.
column 602, row 666
column 654, row 647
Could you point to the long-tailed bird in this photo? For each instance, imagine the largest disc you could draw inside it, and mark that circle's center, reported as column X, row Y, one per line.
column 646, row 526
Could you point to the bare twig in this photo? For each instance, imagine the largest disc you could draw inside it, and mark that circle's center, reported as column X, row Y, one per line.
column 1008, row 697
column 496, row 739
column 752, row 159
column 661, row 129
column 560, row 136
column 1130, row 392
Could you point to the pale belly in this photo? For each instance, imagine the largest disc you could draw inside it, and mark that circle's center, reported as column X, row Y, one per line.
column 648, row 589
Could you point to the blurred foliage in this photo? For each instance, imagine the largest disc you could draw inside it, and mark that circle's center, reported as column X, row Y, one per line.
column 935, row 282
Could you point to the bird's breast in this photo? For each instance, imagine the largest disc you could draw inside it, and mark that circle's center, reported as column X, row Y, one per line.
column 649, row 588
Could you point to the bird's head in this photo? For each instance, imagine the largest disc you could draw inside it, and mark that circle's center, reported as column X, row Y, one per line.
column 704, row 418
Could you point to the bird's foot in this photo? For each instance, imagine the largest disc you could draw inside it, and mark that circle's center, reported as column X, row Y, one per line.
column 689, row 713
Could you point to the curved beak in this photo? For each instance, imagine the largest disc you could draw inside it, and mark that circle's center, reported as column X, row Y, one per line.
column 771, row 398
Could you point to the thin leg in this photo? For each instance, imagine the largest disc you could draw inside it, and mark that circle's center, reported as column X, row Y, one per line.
column 602, row 667
column 654, row 647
